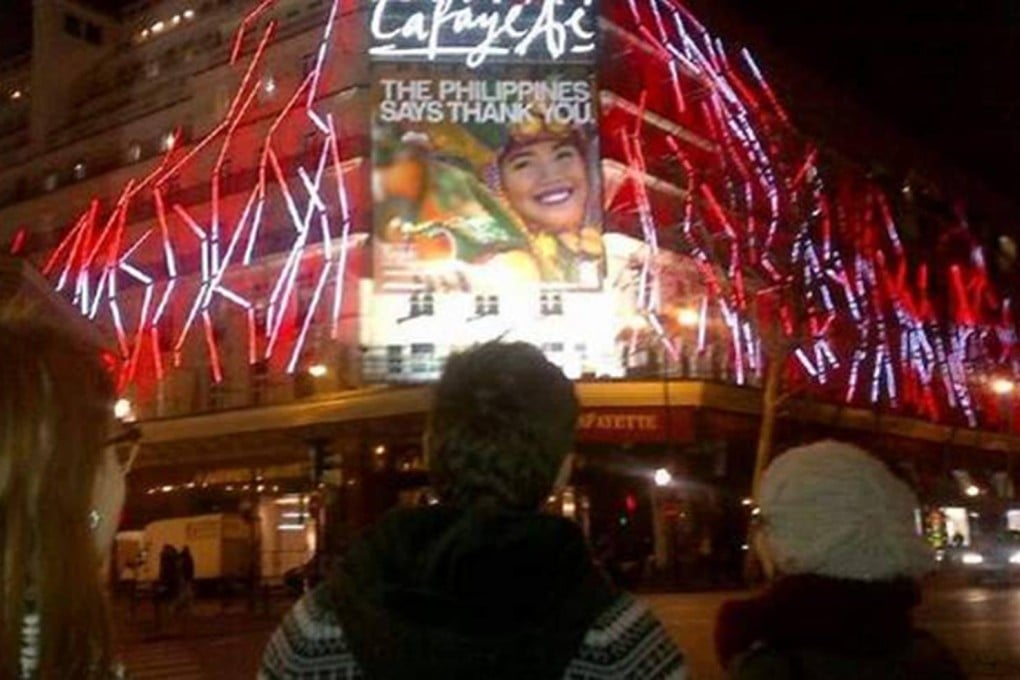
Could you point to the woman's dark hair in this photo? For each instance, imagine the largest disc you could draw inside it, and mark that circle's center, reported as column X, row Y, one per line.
column 501, row 425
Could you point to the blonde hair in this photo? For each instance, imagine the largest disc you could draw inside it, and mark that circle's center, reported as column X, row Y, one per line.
column 54, row 410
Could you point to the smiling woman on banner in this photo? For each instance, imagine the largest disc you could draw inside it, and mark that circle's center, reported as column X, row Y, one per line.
column 545, row 177
column 495, row 203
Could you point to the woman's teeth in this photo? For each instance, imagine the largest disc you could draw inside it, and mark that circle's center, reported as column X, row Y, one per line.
column 554, row 196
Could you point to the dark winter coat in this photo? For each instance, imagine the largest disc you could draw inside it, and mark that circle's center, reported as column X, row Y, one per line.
column 457, row 594
column 169, row 572
column 812, row 627
column 187, row 566
column 437, row 593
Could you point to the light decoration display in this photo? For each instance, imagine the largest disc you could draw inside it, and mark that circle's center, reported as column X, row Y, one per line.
column 800, row 258
column 92, row 260
column 791, row 248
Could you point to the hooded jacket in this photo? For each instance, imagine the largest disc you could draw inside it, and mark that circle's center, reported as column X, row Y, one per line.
column 441, row 592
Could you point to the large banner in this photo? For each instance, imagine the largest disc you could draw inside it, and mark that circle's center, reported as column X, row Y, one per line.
column 485, row 145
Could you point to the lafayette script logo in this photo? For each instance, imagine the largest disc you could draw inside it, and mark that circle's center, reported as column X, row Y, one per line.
column 476, row 30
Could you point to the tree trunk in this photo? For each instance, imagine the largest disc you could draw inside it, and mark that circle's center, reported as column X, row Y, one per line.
column 770, row 402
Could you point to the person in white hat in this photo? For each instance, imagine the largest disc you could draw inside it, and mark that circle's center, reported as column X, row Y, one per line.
column 836, row 533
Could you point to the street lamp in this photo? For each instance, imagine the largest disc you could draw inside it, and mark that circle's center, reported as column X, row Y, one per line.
column 318, row 370
column 688, row 317
column 662, row 477
column 972, row 491
column 1003, row 386
column 123, row 411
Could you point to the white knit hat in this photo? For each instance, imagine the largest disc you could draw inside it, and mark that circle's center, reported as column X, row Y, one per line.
column 831, row 509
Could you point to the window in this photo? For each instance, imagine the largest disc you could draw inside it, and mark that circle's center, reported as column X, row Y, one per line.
column 134, row 152
column 394, row 359
column 486, row 305
column 422, row 304
column 310, row 146
column 72, row 25
column 308, row 63
column 166, row 332
column 551, row 304
column 93, row 34
column 422, row 355
column 173, row 185
column 79, row 170
column 268, row 88
column 1006, row 254
column 227, row 179
column 50, row 181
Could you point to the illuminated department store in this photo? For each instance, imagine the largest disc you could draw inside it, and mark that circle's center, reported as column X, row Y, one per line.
column 286, row 214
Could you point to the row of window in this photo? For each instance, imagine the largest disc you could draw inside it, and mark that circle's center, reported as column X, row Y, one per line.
column 132, row 154
column 161, row 26
column 170, row 57
column 424, row 304
column 422, row 358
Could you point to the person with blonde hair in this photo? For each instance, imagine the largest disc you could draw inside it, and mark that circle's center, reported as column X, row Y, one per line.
column 61, row 489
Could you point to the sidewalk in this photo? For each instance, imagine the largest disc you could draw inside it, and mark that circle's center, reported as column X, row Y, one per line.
column 211, row 641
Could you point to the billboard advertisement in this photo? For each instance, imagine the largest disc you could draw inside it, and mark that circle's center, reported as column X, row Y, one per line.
column 485, row 145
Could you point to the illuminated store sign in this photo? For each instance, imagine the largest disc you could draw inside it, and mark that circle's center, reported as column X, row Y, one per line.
column 476, row 31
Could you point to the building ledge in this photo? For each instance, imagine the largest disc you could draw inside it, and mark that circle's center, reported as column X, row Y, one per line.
column 384, row 402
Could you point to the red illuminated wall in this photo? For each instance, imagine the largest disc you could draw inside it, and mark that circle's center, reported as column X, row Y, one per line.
column 788, row 247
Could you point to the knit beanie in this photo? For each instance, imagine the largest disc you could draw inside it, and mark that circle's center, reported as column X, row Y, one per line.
column 832, row 509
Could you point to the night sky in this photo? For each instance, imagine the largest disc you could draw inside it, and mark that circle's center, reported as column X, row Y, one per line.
column 945, row 73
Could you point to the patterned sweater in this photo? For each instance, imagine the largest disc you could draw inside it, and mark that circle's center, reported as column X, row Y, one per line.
column 625, row 641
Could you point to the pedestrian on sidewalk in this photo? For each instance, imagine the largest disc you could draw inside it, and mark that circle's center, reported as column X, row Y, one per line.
column 836, row 533
column 482, row 585
column 61, row 490
column 187, row 595
column 168, row 582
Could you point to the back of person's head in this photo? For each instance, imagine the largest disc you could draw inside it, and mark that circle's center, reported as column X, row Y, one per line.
column 832, row 509
column 501, row 426
column 55, row 408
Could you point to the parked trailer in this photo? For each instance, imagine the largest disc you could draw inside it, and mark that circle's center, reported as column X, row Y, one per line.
column 220, row 544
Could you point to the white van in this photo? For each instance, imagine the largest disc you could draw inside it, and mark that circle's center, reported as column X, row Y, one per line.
column 220, row 544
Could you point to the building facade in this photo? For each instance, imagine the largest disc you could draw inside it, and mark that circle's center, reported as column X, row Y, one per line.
column 288, row 213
